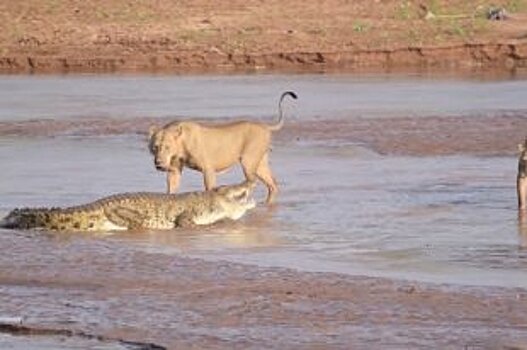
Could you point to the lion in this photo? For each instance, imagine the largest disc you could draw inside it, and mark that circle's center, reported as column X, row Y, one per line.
column 215, row 148
column 521, row 180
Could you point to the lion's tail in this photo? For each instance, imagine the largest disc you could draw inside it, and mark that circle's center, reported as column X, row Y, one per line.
column 278, row 125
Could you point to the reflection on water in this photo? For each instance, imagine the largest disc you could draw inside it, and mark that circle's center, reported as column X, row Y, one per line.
column 522, row 228
column 217, row 238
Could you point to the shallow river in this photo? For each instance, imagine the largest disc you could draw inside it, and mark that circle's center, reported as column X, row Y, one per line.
column 342, row 206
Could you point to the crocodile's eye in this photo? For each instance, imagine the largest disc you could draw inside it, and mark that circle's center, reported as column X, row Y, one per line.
column 240, row 196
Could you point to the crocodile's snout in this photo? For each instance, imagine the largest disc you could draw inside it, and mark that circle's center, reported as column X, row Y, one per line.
column 243, row 195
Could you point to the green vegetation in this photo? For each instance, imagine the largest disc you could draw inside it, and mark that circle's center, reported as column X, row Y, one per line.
column 404, row 10
column 516, row 5
column 359, row 27
column 434, row 7
column 456, row 28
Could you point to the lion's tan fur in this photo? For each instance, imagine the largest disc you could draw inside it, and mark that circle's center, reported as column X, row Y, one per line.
column 521, row 180
column 215, row 148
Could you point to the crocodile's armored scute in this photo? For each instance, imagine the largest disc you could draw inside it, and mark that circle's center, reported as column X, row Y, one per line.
column 139, row 210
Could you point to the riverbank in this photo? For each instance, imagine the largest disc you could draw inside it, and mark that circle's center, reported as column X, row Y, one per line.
column 247, row 36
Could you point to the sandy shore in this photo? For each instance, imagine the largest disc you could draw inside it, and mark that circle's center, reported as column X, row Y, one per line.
column 485, row 135
column 178, row 302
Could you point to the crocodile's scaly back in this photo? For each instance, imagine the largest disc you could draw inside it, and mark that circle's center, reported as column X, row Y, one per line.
column 137, row 210
column 82, row 218
column 116, row 212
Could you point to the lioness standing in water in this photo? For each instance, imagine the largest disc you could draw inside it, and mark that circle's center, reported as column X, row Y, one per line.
column 521, row 180
column 215, row 148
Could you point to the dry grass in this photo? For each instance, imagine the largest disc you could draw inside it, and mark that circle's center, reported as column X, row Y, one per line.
column 251, row 25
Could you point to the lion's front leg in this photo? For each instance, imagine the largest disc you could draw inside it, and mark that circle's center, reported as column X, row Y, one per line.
column 521, row 188
column 209, row 178
column 173, row 180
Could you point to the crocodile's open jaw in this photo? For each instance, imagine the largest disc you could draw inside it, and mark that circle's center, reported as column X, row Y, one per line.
column 240, row 204
column 232, row 202
column 241, row 194
column 244, row 196
column 238, row 198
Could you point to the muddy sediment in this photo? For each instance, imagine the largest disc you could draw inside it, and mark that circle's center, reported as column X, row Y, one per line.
column 177, row 302
column 490, row 134
column 484, row 135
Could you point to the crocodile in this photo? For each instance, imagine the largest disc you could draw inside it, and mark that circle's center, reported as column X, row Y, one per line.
column 140, row 210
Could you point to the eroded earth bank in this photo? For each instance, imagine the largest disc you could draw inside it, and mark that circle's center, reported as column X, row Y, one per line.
column 206, row 36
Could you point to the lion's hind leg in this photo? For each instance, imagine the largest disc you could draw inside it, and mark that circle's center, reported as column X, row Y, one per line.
column 266, row 176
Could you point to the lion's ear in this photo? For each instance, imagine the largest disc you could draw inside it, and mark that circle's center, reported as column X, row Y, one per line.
column 521, row 147
column 178, row 130
column 152, row 130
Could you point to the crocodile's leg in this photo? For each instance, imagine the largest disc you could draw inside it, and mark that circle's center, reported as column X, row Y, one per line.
column 185, row 220
column 126, row 217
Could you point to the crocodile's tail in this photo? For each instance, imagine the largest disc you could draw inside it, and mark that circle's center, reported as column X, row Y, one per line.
column 27, row 218
column 278, row 125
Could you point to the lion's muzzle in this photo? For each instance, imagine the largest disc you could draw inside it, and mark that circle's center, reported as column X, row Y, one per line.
column 160, row 165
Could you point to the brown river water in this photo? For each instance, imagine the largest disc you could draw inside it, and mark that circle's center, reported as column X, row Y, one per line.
column 390, row 186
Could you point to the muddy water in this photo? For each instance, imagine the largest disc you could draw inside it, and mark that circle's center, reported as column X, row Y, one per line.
column 225, row 96
column 343, row 208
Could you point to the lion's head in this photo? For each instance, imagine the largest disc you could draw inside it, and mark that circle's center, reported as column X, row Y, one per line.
column 167, row 146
